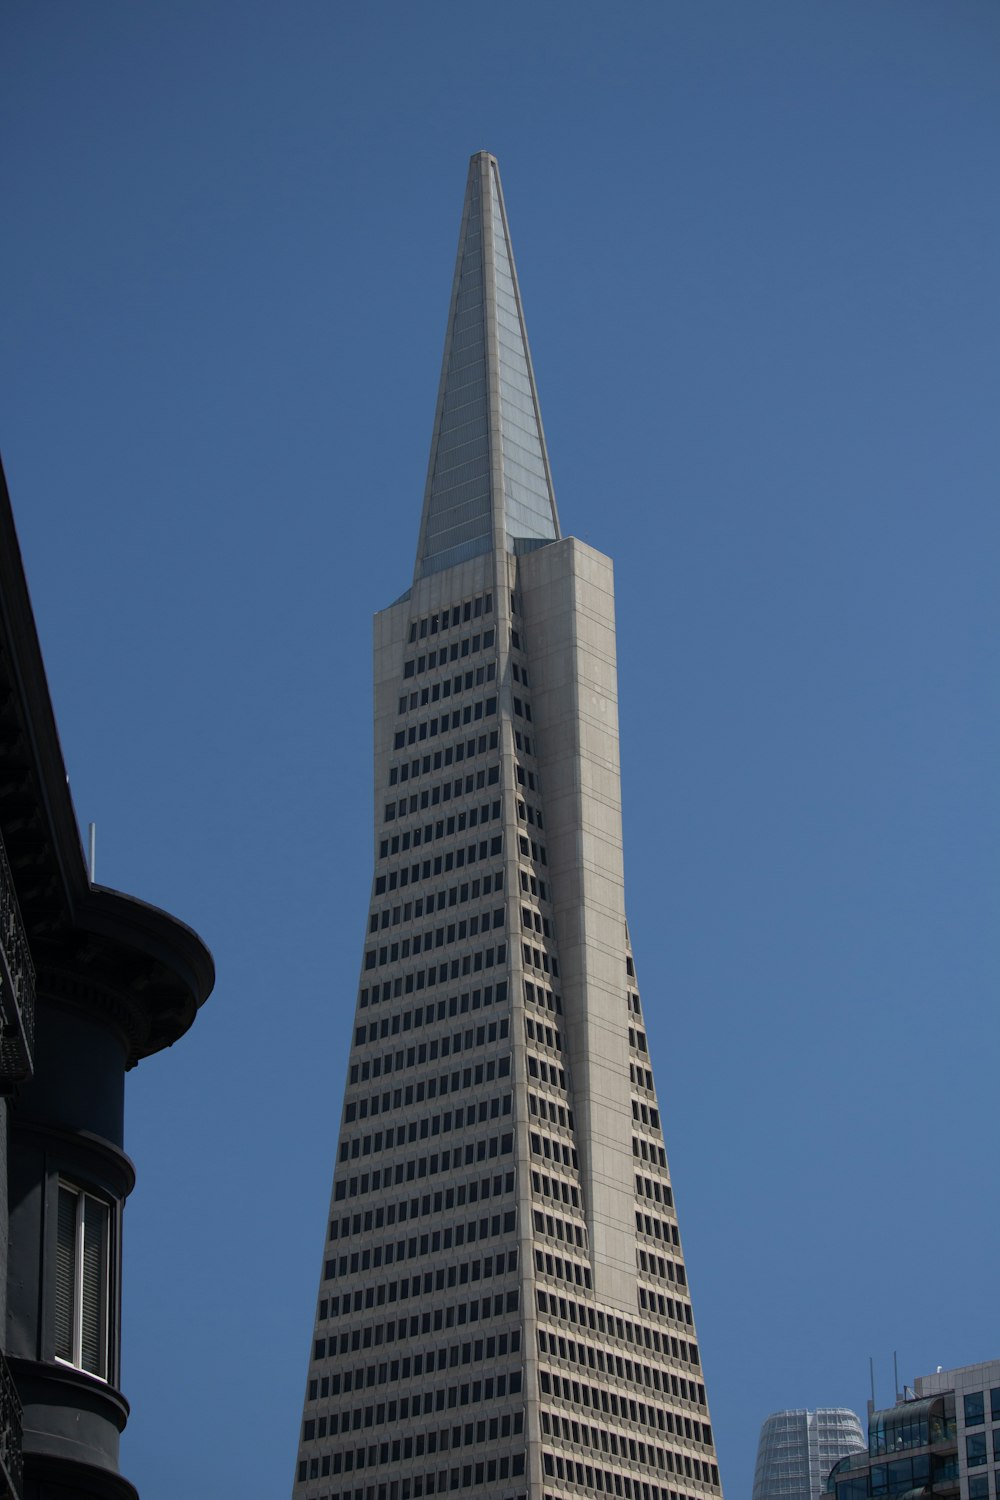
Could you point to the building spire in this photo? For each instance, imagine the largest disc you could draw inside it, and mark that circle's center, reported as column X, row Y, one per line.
column 488, row 480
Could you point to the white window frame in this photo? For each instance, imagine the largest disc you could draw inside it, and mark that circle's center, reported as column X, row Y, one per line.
column 78, row 1291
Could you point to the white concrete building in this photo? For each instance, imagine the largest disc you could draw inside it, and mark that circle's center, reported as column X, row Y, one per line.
column 503, row 1306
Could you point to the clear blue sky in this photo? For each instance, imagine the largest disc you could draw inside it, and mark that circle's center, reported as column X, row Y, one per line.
column 759, row 246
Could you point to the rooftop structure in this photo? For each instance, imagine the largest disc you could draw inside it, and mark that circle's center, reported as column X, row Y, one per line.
column 941, row 1438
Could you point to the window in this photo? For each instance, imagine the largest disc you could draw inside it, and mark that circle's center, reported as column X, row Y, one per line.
column 82, row 1294
column 975, row 1449
column 974, row 1408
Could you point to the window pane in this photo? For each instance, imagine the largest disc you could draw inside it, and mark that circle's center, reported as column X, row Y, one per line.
column 65, row 1272
column 974, row 1405
column 975, row 1449
column 93, row 1345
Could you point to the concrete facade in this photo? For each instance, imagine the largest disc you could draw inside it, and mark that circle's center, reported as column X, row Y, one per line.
column 503, row 1306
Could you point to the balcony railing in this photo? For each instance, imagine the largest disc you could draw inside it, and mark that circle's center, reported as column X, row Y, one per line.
column 11, row 1457
column 17, row 985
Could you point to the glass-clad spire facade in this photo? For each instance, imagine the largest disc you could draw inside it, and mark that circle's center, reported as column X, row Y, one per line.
column 503, row 1305
column 488, row 481
column 797, row 1450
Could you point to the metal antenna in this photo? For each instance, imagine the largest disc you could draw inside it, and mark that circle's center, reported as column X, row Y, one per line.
column 91, row 849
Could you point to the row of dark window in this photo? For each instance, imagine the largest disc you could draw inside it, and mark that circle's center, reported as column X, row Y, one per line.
column 441, row 864
column 442, row 828
column 608, row 1398
column 448, row 687
column 419, row 1286
column 536, row 887
column 415, row 1446
column 423, row 942
column 645, row 1114
column 653, row 1414
column 641, row 1077
column 447, row 756
column 636, row 1334
column 649, row 1151
column 526, row 778
column 555, row 1466
column 656, row 1265
column 445, row 1199
column 637, row 1490
column 533, row 921
column 657, row 1229
column 429, row 729
column 493, row 1347
column 570, row 1271
column 482, row 1268
column 403, row 1449
column 432, row 1321
column 552, row 1150
column 457, row 1005
column 394, row 1136
column 530, row 850
column 528, row 813
column 538, row 958
column 563, row 1230
column 397, row 1330
column 442, row 791
column 456, row 1042
column 377, row 1105
column 547, row 1036
column 975, row 1450
column 553, row 1187
column 651, row 1187
column 468, row 645
column 487, row 1148
column 447, row 619
column 468, row 1477
column 667, row 1345
column 549, row 1109
column 974, row 1407
column 628, row 1449
column 447, row 897
column 547, row 1072
column 446, row 1398
column 654, row 1302
column 457, row 968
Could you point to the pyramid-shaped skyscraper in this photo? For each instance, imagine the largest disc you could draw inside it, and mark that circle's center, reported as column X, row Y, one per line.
column 503, row 1307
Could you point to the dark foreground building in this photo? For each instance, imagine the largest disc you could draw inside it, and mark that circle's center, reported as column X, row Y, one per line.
column 91, row 982
column 503, row 1307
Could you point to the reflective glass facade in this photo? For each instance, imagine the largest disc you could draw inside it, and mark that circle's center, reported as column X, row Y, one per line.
column 797, row 1449
column 942, row 1440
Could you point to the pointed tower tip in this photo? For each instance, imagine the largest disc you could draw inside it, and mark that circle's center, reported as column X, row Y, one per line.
column 488, row 481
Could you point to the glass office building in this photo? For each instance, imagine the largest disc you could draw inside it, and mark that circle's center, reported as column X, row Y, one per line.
column 942, row 1438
